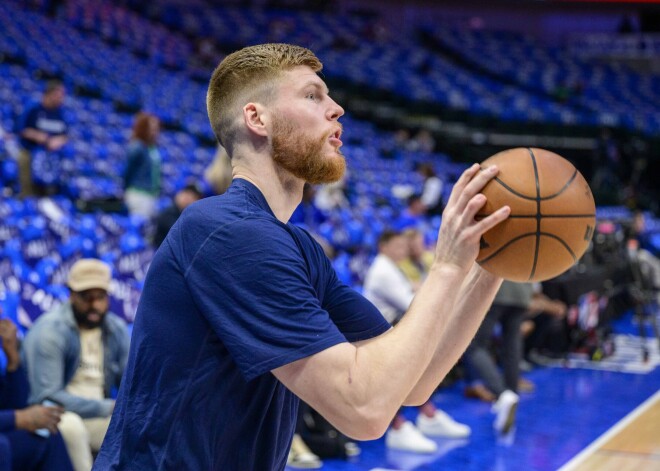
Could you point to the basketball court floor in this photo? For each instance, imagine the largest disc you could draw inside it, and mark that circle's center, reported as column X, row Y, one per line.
column 581, row 417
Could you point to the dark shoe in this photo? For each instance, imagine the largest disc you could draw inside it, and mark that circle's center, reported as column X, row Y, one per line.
column 479, row 391
column 525, row 386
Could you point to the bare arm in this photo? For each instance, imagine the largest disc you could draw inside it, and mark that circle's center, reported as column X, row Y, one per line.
column 360, row 387
column 40, row 137
column 476, row 296
column 35, row 135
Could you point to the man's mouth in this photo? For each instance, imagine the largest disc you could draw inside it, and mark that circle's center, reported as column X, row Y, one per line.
column 335, row 138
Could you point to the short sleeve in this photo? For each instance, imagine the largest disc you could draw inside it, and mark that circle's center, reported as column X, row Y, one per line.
column 251, row 282
column 28, row 120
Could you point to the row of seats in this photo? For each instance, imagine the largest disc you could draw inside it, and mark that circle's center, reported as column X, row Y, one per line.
column 530, row 76
column 598, row 94
column 42, row 238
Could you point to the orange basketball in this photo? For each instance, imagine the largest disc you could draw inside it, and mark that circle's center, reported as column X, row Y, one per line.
column 552, row 218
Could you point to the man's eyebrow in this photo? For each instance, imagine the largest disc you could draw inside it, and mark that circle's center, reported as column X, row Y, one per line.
column 318, row 86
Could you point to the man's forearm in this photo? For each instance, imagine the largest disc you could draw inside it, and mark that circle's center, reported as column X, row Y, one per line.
column 35, row 135
column 407, row 350
column 475, row 298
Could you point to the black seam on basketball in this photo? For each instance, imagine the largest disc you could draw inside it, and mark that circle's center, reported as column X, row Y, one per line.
column 515, row 239
column 559, row 216
column 479, row 217
column 534, row 198
column 522, row 236
column 538, row 213
column 568, row 183
column 566, row 246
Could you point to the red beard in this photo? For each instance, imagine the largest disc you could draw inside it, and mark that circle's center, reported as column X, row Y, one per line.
column 303, row 156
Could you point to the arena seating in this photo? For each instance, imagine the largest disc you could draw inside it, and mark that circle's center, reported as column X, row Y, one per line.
column 116, row 61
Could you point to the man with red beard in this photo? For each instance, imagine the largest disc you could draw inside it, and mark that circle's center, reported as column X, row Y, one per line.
column 242, row 313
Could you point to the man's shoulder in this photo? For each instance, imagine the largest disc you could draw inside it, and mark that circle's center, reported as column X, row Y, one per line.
column 115, row 320
column 34, row 107
column 50, row 324
column 56, row 315
column 234, row 212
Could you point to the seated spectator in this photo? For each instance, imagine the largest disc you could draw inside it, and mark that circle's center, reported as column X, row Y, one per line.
column 391, row 292
column 76, row 355
column 413, row 215
column 307, row 213
column 419, row 260
column 317, row 438
column 332, row 196
column 544, row 330
column 168, row 216
column 28, row 435
column 42, row 127
column 142, row 176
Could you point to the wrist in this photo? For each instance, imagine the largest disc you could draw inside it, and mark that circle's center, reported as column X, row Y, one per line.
column 447, row 270
column 19, row 420
column 442, row 274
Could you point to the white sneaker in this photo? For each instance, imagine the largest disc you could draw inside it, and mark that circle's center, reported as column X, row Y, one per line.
column 301, row 457
column 505, row 409
column 442, row 425
column 352, row 449
column 408, row 438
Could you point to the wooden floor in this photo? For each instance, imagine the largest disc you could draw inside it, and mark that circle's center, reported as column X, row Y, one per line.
column 631, row 445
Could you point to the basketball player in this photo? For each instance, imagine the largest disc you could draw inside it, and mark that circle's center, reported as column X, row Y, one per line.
column 242, row 312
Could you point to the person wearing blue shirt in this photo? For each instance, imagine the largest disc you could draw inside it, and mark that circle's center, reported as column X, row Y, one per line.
column 28, row 434
column 242, row 314
column 43, row 126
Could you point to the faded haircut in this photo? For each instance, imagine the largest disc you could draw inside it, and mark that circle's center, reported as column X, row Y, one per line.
column 246, row 75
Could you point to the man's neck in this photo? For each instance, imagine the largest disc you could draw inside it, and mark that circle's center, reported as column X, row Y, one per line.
column 283, row 191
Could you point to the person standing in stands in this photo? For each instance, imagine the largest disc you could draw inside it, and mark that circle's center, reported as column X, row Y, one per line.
column 43, row 126
column 142, row 176
column 432, row 190
column 387, row 286
column 28, row 435
column 509, row 309
column 76, row 356
column 242, row 314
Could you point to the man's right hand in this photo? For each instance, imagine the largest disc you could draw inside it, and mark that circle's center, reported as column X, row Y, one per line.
column 55, row 143
column 37, row 417
column 460, row 232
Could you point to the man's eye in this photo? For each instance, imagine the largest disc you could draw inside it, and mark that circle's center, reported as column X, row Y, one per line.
column 311, row 96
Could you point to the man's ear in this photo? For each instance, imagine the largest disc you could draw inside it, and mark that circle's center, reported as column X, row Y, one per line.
column 256, row 117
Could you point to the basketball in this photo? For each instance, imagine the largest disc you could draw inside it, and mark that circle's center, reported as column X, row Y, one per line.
column 552, row 218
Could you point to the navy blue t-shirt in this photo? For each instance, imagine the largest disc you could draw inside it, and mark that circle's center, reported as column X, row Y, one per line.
column 48, row 120
column 231, row 294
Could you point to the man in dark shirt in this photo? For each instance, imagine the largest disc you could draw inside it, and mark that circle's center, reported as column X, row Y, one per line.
column 241, row 311
column 42, row 127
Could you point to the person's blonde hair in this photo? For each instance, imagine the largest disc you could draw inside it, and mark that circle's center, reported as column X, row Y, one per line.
column 249, row 74
column 219, row 173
